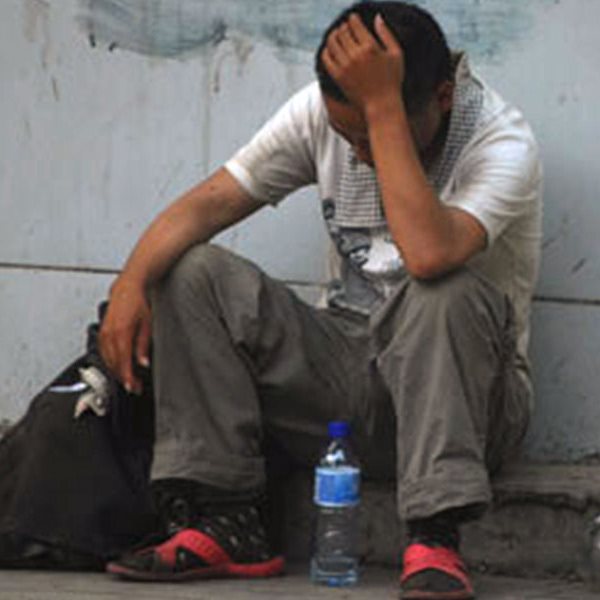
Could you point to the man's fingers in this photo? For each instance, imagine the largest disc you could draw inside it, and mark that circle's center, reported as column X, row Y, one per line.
column 142, row 344
column 330, row 64
column 385, row 35
column 111, row 352
column 124, row 346
column 107, row 351
column 336, row 49
column 347, row 38
column 359, row 31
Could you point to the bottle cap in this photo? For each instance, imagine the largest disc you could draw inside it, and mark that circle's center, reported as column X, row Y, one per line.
column 339, row 429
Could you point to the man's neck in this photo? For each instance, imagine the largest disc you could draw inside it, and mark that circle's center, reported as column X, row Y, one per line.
column 434, row 151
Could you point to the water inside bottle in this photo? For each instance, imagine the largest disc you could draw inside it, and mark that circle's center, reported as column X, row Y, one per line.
column 334, row 571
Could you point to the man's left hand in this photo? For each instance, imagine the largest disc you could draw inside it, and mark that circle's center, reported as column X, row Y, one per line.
column 365, row 69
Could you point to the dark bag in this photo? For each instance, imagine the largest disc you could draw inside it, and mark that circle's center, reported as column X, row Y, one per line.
column 74, row 492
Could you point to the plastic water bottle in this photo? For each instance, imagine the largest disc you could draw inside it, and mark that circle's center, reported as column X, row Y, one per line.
column 335, row 558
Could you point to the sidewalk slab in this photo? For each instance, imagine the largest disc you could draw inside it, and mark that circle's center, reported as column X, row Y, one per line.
column 375, row 584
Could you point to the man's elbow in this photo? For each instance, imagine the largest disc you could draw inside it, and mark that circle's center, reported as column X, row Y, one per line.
column 429, row 266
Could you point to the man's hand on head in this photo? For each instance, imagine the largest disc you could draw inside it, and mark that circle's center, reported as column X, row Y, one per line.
column 367, row 70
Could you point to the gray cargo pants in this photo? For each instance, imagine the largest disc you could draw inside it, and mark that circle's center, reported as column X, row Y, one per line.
column 428, row 384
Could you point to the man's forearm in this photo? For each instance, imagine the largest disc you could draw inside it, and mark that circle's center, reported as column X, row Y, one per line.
column 194, row 218
column 418, row 222
column 168, row 236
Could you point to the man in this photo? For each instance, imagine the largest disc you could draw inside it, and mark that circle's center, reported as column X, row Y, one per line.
column 430, row 186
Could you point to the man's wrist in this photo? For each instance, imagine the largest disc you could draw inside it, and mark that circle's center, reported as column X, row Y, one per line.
column 382, row 107
column 127, row 282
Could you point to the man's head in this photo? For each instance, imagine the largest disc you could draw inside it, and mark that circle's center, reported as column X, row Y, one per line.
column 426, row 53
column 427, row 91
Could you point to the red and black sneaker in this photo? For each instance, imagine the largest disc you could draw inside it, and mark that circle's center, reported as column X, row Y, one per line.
column 226, row 542
column 434, row 573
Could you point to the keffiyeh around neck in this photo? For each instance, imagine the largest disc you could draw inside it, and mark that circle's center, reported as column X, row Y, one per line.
column 358, row 199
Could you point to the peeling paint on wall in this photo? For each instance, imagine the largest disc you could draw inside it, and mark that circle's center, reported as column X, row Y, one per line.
column 488, row 29
column 177, row 28
column 36, row 14
column 37, row 24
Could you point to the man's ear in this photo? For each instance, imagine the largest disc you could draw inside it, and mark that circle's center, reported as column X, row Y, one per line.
column 445, row 96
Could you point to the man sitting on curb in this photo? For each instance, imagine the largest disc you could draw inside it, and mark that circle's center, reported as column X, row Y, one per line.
column 430, row 186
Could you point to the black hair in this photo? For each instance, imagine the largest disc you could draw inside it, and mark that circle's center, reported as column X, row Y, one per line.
column 426, row 52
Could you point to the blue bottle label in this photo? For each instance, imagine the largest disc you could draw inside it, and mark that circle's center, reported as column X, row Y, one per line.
column 337, row 486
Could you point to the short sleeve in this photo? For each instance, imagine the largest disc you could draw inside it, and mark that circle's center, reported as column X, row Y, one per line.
column 280, row 157
column 499, row 180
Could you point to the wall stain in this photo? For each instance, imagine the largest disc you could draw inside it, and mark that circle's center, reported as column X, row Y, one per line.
column 35, row 16
column 181, row 28
column 55, row 90
column 37, row 25
column 579, row 265
column 488, row 29
column 206, row 104
column 241, row 49
column 561, row 232
column 27, row 127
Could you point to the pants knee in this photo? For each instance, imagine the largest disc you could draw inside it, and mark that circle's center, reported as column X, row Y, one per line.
column 201, row 260
column 460, row 293
column 194, row 272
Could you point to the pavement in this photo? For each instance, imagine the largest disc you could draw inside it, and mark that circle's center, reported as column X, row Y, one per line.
column 375, row 584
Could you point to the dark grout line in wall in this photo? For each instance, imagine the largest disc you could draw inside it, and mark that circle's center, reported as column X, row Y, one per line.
column 106, row 271
column 59, row 268
column 568, row 301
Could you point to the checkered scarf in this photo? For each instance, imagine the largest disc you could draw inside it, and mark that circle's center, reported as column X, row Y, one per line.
column 358, row 199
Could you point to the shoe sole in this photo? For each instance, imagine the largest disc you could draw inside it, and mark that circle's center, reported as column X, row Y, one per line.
column 269, row 568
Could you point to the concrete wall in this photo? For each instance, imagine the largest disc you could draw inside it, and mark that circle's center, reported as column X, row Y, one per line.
column 110, row 109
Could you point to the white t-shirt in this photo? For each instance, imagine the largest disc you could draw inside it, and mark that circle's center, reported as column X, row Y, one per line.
column 497, row 178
